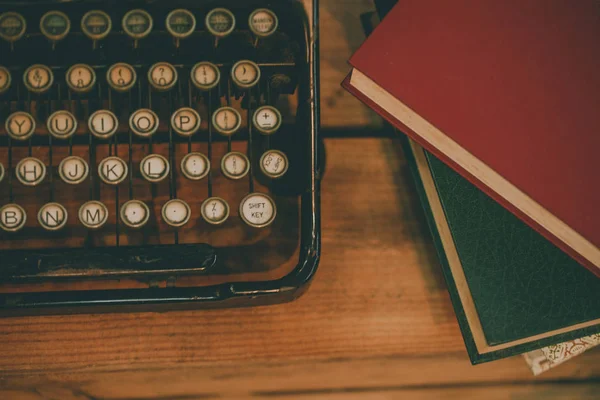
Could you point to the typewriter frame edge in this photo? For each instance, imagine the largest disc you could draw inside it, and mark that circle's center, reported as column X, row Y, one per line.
column 242, row 294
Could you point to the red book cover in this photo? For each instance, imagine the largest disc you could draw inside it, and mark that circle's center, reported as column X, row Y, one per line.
column 508, row 94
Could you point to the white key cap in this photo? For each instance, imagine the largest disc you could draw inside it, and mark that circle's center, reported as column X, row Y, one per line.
column 154, row 167
column 137, row 24
column 162, row 76
column 12, row 26
column 135, row 213
column 235, row 165
column 31, row 171
column 93, row 214
column 20, row 125
column 266, row 120
column 55, row 25
column 73, row 170
column 220, row 22
column 52, row 216
column 226, row 120
column 5, row 79
column 176, row 212
column 263, row 22
column 274, row 163
column 121, row 77
column 143, row 122
column 195, row 166
column 205, row 75
column 96, row 24
column 245, row 74
column 180, row 23
column 112, row 170
column 12, row 217
column 103, row 124
column 62, row 124
column 258, row 210
column 81, row 78
column 186, row 121
column 215, row 210
column 38, row 78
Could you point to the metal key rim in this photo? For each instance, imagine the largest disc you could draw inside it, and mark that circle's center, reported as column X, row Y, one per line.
column 39, row 89
column 90, row 34
column 21, row 224
column 57, row 227
column 138, row 224
column 126, row 88
column 13, row 39
column 26, row 115
column 177, row 34
column 252, row 224
column 269, row 174
column 200, row 85
column 48, row 34
column 134, row 35
column 195, row 177
column 99, row 204
column 227, row 173
column 263, row 34
column 178, row 224
column 220, row 200
column 71, row 131
column 81, row 89
column 8, row 79
column 71, row 181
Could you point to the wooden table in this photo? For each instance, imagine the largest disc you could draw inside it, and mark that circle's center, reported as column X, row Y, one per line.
column 377, row 321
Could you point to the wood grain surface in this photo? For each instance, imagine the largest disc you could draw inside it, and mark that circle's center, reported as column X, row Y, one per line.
column 377, row 322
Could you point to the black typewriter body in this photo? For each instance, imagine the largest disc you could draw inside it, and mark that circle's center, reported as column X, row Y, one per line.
column 157, row 154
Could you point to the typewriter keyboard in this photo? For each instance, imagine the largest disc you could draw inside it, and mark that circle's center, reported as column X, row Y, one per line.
column 175, row 130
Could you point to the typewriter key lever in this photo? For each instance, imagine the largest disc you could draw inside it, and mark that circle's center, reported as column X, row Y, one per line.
column 137, row 24
column 180, row 24
column 12, row 27
column 96, row 25
column 55, row 25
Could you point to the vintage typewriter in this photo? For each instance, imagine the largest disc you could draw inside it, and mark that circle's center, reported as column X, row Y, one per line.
column 157, row 154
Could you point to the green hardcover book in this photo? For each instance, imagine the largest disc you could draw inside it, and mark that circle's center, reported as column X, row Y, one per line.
column 512, row 290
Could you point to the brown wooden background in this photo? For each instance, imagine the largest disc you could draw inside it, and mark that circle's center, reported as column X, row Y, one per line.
column 377, row 322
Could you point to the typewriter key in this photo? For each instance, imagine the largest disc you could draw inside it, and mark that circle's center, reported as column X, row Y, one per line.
column 266, row 120
column 195, row 166
column 96, row 24
column 215, row 210
column 205, row 75
column 62, row 124
column 52, row 216
column 103, row 124
column 263, row 22
column 154, row 168
column 180, row 23
column 55, row 25
column 220, row 22
column 81, row 78
column 245, row 74
column 135, row 213
column 162, row 76
column 176, row 212
column 12, row 217
column 112, row 170
column 5, row 79
column 12, row 26
column 235, row 165
column 143, row 122
column 137, row 24
column 274, row 163
column 20, row 125
column 226, row 120
column 31, row 171
column 121, row 77
column 258, row 210
column 1, row 172
column 185, row 121
column 73, row 170
column 38, row 78
column 93, row 214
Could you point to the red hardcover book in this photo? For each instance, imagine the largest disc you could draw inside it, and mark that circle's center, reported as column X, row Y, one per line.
column 505, row 92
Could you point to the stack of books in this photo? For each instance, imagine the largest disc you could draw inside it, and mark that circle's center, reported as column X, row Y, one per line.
column 500, row 105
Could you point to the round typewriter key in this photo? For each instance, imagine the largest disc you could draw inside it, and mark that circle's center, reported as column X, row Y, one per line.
column 154, row 167
column 112, row 170
column 103, row 124
column 185, row 121
column 205, row 75
column 52, row 216
column 274, row 163
column 263, row 22
column 121, row 77
column 1, row 172
column 137, row 24
column 266, row 120
column 258, row 210
column 20, row 125
column 215, row 210
column 81, row 78
column 31, row 171
column 143, row 122
column 195, row 166
column 55, row 25
column 12, row 26
column 38, row 78
column 96, row 24
column 135, row 213
column 220, row 22
column 12, row 217
column 176, row 212
column 226, row 120
column 5, row 79
column 181, row 23
column 245, row 74
column 62, row 124
column 235, row 165
column 93, row 214
column 162, row 76
column 73, row 170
